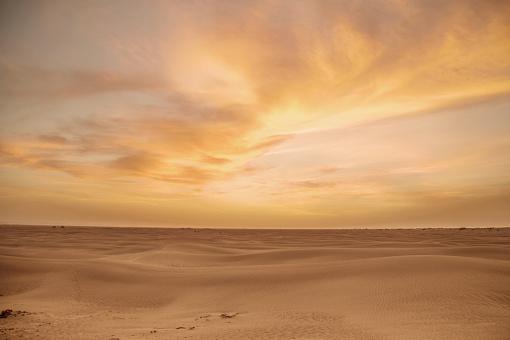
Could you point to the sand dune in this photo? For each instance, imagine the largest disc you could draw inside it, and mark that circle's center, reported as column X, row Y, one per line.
column 133, row 283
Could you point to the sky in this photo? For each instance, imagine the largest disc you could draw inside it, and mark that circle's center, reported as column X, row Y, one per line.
column 255, row 114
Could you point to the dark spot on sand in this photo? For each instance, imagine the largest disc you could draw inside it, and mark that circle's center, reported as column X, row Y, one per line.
column 202, row 317
column 9, row 312
column 6, row 313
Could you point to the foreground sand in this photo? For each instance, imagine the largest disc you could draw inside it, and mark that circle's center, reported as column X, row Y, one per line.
column 113, row 283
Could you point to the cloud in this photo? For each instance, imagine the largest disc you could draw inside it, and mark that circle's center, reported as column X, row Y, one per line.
column 53, row 139
column 170, row 149
column 136, row 163
column 24, row 82
column 214, row 160
column 313, row 184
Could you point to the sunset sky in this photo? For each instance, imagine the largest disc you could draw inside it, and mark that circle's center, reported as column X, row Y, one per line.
column 287, row 114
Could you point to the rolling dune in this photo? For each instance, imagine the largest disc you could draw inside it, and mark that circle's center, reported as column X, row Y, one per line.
column 135, row 283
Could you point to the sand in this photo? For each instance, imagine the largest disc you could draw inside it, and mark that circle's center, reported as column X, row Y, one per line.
column 135, row 283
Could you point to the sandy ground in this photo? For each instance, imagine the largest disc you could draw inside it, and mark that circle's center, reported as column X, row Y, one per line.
column 127, row 283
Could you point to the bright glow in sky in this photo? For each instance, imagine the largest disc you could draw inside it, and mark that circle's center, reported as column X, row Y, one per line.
column 255, row 113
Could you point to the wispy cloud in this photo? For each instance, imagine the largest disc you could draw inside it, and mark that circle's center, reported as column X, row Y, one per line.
column 22, row 82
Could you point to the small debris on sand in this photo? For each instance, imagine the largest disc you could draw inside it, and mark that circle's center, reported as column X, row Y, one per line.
column 9, row 312
column 203, row 317
column 6, row 313
column 228, row 315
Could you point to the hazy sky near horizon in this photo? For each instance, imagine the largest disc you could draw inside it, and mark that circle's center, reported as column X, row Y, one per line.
column 255, row 113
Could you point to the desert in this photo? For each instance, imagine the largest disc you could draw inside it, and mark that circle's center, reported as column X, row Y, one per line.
column 155, row 283
column 256, row 169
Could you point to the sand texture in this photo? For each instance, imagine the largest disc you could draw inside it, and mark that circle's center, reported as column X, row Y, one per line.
column 134, row 283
